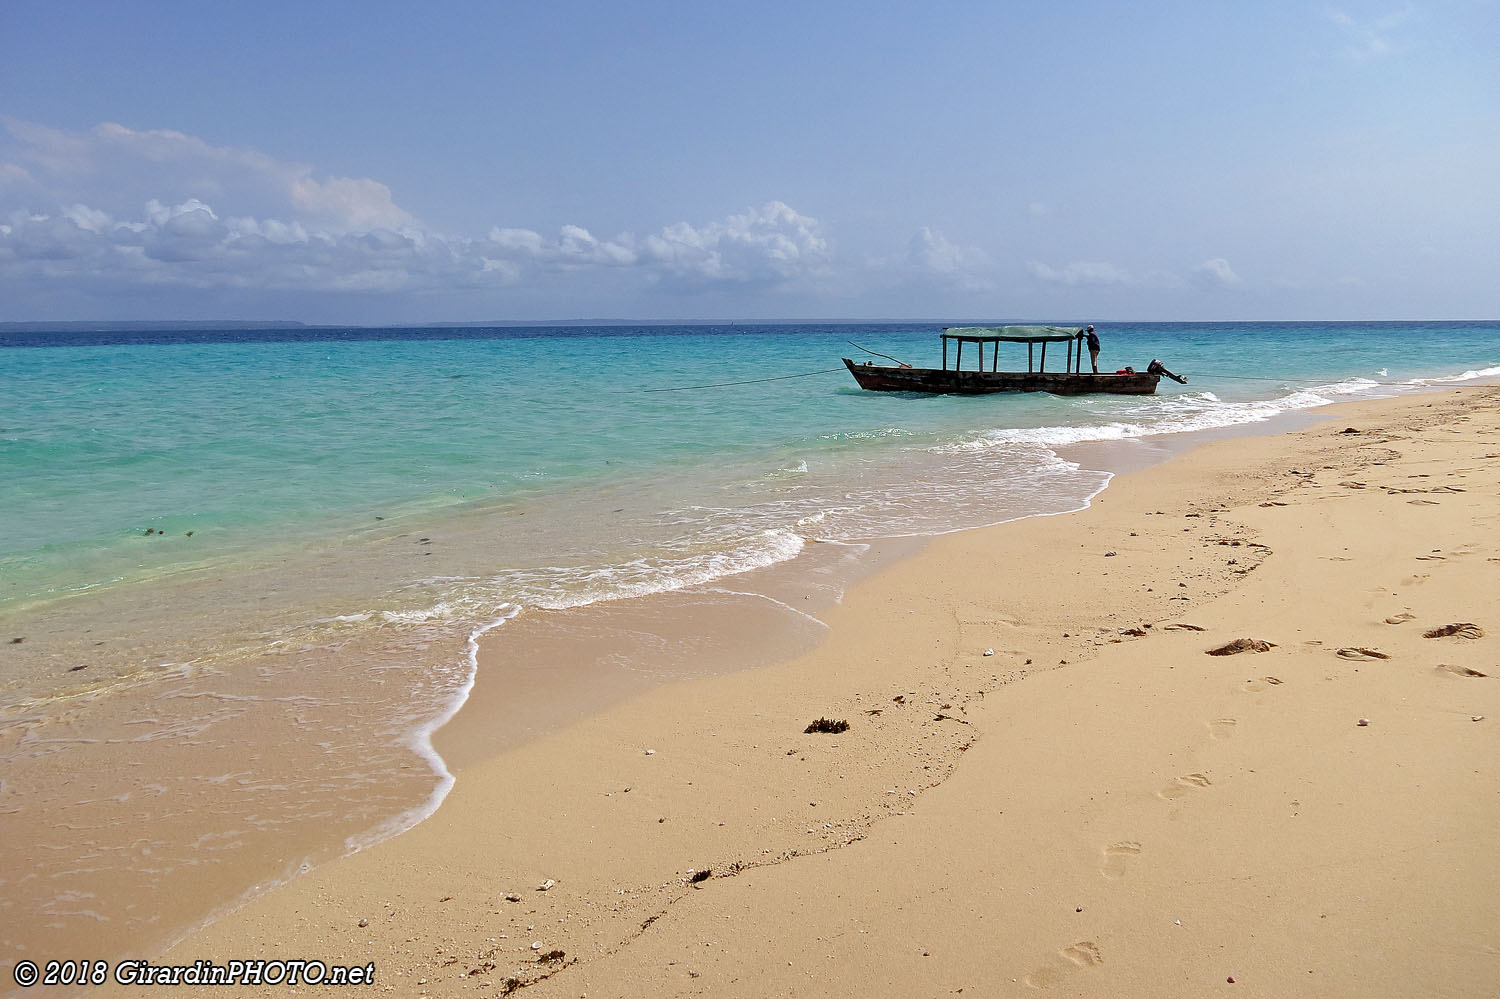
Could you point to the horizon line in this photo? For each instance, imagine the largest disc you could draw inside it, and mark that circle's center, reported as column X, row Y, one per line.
column 84, row 325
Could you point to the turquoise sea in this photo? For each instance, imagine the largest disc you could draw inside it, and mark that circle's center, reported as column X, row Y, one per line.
column 214, row 538
column 308, row 434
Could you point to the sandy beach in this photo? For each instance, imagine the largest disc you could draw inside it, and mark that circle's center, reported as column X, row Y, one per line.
column 1046, row 782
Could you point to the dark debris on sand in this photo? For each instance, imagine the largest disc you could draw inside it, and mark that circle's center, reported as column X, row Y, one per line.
column 1241, row 645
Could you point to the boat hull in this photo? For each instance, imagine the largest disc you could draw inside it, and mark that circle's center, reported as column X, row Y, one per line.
column 885, row 378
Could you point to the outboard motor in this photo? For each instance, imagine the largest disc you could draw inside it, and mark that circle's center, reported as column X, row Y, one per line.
column 1157, row 368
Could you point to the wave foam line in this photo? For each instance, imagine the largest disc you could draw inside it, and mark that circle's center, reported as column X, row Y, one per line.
column 1467, row 376
column 420, row 742
column 1171, row 417
column 767, row 597
column 646, row 576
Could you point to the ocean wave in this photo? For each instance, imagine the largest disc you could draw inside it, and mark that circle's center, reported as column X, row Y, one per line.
column 1466, row 376
column 562, row 587
column 868, row 435
column 1168, row 415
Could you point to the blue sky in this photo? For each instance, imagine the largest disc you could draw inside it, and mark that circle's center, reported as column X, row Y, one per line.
column 389, row 162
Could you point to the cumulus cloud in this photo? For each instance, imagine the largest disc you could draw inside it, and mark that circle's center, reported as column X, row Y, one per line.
column 761, row 245
column 189, row 245
column 573, row 247
column 159, row 208
column 769, row 244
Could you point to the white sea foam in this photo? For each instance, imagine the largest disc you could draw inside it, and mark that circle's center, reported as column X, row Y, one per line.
column 868, row 435
column 561, row 587
column 420, row 742
column 441, row 611
column 1466, row 376
column 1170, row 415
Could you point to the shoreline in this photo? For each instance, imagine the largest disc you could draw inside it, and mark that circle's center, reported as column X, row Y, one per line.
column 551, row 693
column 725, row 746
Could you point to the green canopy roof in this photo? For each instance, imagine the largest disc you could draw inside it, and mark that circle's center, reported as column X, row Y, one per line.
column 1011, row 334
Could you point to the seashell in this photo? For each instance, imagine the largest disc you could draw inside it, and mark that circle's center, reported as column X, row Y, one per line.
column 989, row 652
column 1362, row 722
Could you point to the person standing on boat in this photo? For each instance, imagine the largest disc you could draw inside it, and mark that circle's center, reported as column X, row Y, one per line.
column 1093, row 349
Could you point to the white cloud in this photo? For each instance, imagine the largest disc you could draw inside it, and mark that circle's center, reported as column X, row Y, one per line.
column 935, row 252
column 573, row 247
column 115, row 169
column 357, row 204
column 1216, row 272
column 931, row 255
column 1375, row 37
column 13, row 175
column 1081, row 273
column 761, row 245
column 767, row 245
column 160, row 208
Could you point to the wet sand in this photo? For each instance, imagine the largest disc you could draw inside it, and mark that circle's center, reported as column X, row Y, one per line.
column 1095, row 807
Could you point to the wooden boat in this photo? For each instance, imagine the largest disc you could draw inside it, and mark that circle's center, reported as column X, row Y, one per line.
column 1072, row 380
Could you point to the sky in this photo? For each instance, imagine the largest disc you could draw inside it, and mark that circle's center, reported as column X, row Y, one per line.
column 387, row 163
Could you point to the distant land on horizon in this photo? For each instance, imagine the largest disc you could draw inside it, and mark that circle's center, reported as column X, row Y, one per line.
column 126, row 325
column 129, row 325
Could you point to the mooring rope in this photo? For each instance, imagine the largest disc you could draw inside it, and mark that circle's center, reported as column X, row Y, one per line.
column 748, row 381
column 877, row 353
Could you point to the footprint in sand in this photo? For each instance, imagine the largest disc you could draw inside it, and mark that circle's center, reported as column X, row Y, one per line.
column 1423, row 502
column 1401, row 618
column 1183, row 785
column 1117, row 858
column 1361, row 655
column 1461, row 630
column 1221, row 728
column 1461, row 671
column 1256, row 686
column 1069, row 961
